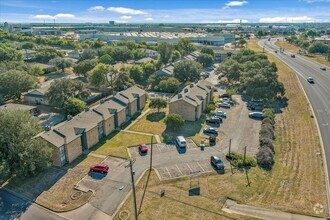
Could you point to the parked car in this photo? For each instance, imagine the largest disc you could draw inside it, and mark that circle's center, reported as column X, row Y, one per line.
column 143, row 148
column 323, row 68
column 221, row 114
column 181, row 141
column 293, row 56
column 310, row 80
column 224, row 95
column 210, row 131
column 256, row 115
column 226, row 100
column 224, row 105
column 217, row 163
column 100, row 168
column 214, row 120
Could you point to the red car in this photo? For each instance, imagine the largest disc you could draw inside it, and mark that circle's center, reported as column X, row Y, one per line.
column 100, row 168
column 143, row 148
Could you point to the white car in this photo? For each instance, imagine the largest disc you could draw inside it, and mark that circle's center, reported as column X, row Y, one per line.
column 310, row 79
column 224, row 105
column 221, row 114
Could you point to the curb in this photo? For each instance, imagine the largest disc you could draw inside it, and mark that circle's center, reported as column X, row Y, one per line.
column 326, row 174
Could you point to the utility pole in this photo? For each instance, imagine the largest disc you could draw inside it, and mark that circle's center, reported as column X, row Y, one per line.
column 131, row 162
column 152, row 139
column 246, row 173
column 229, row 146
column 231, row 166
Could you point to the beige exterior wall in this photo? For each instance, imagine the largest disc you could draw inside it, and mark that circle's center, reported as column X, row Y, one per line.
column 56, row 155
column 133, row 107
column 92, row 137
column 73, row 149
column 199, row 111
column 121, row 117
column 143, row 101
column 109, row 125
column 186, row 110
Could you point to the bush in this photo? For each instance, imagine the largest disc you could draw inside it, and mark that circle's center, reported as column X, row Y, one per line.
column 267, row 121
column 209, row 108
column 238, row 160
column 269, row 113
column 174, row 121
column 267, row 132
column 266, row 142
column 4, row 170
column 265, row 158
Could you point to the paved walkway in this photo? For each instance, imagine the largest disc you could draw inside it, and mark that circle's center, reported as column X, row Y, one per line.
column 262, row 213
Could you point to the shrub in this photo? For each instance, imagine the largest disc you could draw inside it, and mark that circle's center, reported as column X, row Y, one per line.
column 238, row 160
column 266, row 132
column 269, row 113
column 265, row 158
column 266, row 142
column 174, row 121
column 209, row 108
column 267, row 121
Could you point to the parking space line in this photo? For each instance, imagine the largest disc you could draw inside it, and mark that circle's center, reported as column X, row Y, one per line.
column 189, row 167
column 168, row 172
column 200, row 166
column 179, row 169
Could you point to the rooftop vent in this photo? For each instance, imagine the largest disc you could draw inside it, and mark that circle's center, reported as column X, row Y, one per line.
column 47, row 128
column 69, row 117
column 191, row 85
column 179, row 95
column 185, row 90
column 87, row 108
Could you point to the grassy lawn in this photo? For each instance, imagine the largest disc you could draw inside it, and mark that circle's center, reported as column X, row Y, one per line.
column 53, row 188
column 152, row 122
column 291, row 185
column 117, row 143
column 295, row 49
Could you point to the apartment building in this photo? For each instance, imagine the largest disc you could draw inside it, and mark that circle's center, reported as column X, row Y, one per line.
column 70, row 138
column 191, row 102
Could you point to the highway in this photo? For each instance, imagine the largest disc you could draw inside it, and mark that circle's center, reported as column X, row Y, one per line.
column 318, row 93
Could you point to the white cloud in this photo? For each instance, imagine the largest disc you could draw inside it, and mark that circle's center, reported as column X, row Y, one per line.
column 128, row 11
column 235, row 4
column 64, row 16
column 301, row 19
column 312, row 1
column 125, row 17
column 45, row 17
column 96, row 8
column 148, row 19
column 233, row 21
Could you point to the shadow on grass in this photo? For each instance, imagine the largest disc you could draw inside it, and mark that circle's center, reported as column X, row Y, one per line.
column 155, row 117
column 190, row 128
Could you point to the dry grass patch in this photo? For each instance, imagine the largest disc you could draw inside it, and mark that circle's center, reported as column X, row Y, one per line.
column 295, row 49
column 296, row 182
column 177, row 204
column 117, row 143
column 58, row 197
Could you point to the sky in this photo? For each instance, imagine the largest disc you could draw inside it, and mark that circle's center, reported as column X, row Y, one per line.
column 165, row 11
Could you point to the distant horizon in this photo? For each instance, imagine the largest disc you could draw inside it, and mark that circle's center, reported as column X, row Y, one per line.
column 170, row 11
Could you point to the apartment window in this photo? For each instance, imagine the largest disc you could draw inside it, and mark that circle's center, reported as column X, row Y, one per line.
column 62, row 155
column 100, row 129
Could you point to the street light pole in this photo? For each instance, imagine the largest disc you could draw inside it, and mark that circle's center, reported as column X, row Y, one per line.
column 133, row 188
column 152, row 139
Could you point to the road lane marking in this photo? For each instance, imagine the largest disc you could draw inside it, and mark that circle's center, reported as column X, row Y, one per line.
column 179, row 169
column 200, row 166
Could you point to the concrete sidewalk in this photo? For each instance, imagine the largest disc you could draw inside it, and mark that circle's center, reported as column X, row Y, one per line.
column 231, row 206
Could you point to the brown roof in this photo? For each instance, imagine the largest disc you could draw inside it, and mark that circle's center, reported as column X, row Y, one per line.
column 105, row 108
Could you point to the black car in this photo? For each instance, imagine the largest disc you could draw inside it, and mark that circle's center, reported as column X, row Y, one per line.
column 217, row 163
column 210, row 131
column 293, row 56
column 214, row 120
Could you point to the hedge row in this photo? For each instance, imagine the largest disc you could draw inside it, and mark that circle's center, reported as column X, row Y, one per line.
column 265, row 156
column 237, row 160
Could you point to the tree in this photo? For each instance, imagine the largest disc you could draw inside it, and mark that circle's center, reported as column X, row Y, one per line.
column 208, row 50
column 106, row 59
column 136, row 73
column 62, row 89
column 318, row 47
column 241, row 42
column 148, row 68
column 165, row 52
column 8, row 53
column 174, row 121
column 98, row 76
column 83, row 67
column 121, row 54
column 138, row 54
column 176, row 55
column 187, row 70
column 185, row 46
column 13, row 83
column 73, row 106
column 158, row 103
column 205, row 59
column 210, row 107
column 45, row 54
column 20, row 150
column 61, row 63
column 28, row 45
column 88, row 54
column 265, row 158
column 169, row 85
column 123, row 80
